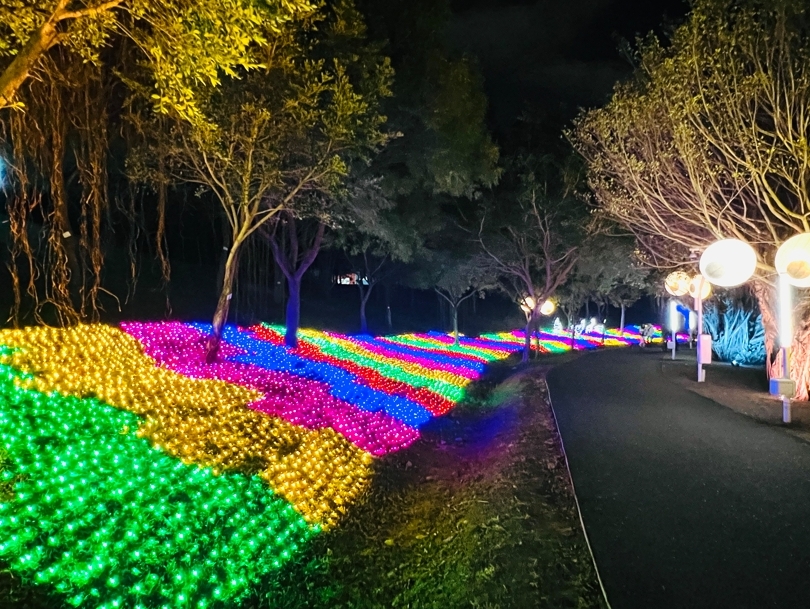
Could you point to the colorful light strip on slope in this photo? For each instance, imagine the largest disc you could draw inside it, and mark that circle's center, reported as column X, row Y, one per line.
column 300, row 401
column 198, row 420
column 342, row 384
column 110, row 521
column 432, row 401
column 307, row 421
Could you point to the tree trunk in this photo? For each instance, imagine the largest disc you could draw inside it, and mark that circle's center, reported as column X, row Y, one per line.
column 455, row 324
column 588, row 310
column 621, row 324
column 364, row 296
column 223, row 304
column 388, row 307
column 293, row 315
column 18, row 70
column 800, row 345
column 527, row 347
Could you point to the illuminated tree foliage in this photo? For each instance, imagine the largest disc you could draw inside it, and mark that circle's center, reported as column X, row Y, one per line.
column 738, row 335
column 64, row 67
column 280, row 137
column 710, row 141
column 183, row 45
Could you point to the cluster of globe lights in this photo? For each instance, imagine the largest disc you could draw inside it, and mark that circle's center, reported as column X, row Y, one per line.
column 732, row 262
column 528, row 304
column 128, row 453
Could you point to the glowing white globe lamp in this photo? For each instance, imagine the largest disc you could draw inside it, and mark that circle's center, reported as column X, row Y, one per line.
column 548, row 307
column 677, row 283
column 699, row 287
column 793, row 260
column 728, row 262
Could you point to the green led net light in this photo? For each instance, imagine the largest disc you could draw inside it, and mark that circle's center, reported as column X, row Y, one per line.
column 109, row 521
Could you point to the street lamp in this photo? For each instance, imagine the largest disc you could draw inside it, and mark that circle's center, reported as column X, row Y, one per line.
column 727, row 263
column 548, row 307
column 792, row 262
column 700, row 289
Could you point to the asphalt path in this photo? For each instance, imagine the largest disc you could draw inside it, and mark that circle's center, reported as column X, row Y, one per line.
column 686, row 503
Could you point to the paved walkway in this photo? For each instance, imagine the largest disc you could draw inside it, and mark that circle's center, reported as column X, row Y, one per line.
column 687, row 504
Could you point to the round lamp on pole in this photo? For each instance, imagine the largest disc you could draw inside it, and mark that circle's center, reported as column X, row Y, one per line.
column 677, row 283
column 548, row 307
column 728, row 262
column 793, row 260
column 699, row 287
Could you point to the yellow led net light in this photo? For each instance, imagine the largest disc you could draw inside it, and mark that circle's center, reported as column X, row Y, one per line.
column 198, row 420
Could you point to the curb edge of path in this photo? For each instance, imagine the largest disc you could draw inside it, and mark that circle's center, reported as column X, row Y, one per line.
column 576, row 499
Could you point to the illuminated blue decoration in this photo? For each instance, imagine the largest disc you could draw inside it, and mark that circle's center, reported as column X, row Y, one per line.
column 738, row 335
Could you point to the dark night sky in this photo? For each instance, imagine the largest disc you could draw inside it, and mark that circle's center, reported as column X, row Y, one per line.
column 557, row 55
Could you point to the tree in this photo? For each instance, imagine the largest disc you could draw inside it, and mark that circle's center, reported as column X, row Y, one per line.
column 710, row 141
column 452, row 265
column 460, row 277
column 612, row 272
column 184, row 45
column 532, row 243
column 70, row 64
column 281, row 135
column 439, row 106
column 376, row 239
column 295, row 246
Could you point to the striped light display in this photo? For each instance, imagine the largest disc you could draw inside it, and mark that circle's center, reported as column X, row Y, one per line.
column 144, row 477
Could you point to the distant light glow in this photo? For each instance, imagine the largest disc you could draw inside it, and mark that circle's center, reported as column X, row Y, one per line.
column 699, row 285
column 548, row 307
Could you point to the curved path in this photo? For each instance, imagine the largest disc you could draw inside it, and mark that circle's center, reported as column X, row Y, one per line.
column 687, row 504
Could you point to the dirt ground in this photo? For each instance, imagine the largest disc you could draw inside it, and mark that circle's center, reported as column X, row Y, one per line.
column 743, row 389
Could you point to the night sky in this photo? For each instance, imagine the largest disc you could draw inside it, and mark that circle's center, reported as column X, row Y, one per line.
column 553, row 55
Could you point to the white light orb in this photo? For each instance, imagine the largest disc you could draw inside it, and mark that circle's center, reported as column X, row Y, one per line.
column 548, row 308
column 728, row 262
column 677, row 283
column 695, row 285
column 793, row 260
column 529, row 303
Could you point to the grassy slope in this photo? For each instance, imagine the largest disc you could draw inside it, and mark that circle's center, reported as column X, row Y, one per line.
column 477, row 514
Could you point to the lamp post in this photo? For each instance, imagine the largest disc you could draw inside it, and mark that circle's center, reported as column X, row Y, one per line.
column 674, row 323
column 792, row 262
column 726, row 263
column 677, row 284
column 700, row 289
